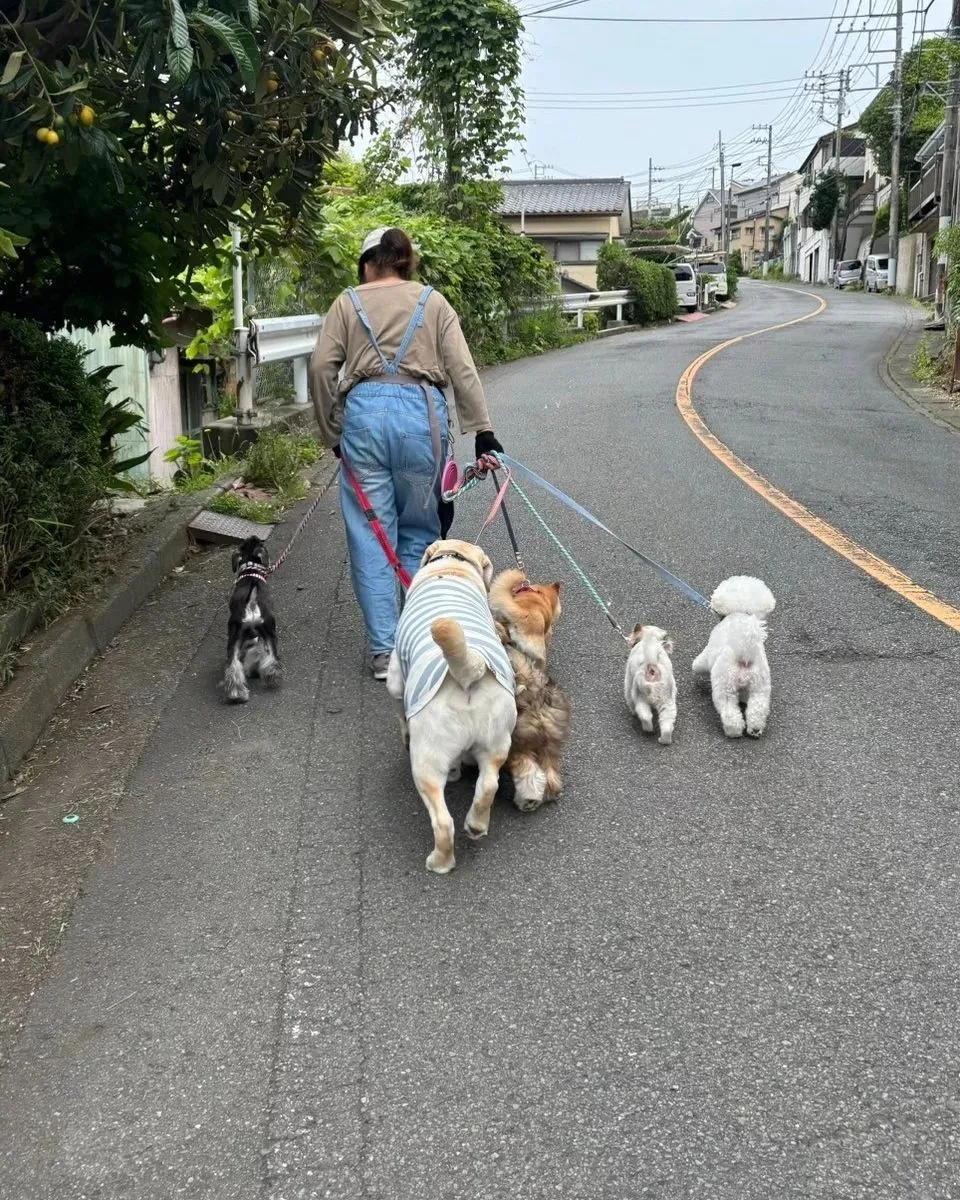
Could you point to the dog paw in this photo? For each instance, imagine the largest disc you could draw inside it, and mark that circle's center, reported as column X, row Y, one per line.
column 272, row 679
column 733, row 731
column 453, row 775
column 755, row 731
column 238, row 697
column 528, row 803
column 476, row 827
column 666, row 737
column 440, row 864
column 646, row 726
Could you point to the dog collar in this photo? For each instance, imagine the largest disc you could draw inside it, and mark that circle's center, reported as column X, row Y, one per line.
column 460, row 558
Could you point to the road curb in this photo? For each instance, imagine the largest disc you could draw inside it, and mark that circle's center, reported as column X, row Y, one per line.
column 922, row 400
column 62, row 652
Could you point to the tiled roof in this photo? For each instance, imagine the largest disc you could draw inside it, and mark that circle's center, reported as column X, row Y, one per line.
column 540, row 197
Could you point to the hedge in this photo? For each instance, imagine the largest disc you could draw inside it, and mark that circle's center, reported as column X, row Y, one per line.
column 654, row 286
column 51, row 464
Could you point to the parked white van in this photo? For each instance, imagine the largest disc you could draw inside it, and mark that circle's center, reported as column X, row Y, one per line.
column 875, row 277
column 718, row 274
column 686, row 279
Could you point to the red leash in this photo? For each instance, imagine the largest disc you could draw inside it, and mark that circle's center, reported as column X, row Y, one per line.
column 374, row 522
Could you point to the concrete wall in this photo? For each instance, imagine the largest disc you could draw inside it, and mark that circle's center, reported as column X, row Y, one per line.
column 560, row 226
column 907, row 263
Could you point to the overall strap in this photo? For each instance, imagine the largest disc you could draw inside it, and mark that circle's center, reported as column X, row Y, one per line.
column 415, row 322
column 365, row 322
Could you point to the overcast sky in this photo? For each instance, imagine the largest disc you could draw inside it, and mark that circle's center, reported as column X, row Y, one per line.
column 585, row 118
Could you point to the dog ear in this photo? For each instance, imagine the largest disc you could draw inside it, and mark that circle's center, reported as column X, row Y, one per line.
column 235, row 560
column 557, row 586
column 635, row 636
column 487, row 567
column 668, row 643
column 429, row 553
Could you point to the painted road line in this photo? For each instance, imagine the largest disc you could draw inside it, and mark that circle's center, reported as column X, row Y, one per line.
column 875, row 567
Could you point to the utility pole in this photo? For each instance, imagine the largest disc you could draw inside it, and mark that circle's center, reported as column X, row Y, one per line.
column 723, row 199
column 679, row 200
column 841, row 182
column 649, row 190
column 713, row 179
column 949, row 155
column 767, row 206
column 894, row 235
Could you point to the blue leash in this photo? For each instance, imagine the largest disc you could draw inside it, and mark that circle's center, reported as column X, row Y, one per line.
column 665, row 575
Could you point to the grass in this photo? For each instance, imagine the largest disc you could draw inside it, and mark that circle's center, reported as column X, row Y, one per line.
column 926, row 368
column 230, row 504
column 275, row 459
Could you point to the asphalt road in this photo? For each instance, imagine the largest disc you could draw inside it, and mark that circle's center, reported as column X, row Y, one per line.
column 717, row 969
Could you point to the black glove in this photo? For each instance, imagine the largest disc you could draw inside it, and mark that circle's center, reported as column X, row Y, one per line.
column 336, row 450
column 445, row 509
column 486, row 443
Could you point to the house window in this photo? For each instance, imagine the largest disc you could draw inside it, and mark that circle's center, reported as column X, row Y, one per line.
column 570, row 251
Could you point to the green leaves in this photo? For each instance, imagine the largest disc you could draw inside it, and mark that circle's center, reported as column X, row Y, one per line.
column 12, row 69
column 464, row 61
column 179, row 61
column 235, row 37
column 179, row 30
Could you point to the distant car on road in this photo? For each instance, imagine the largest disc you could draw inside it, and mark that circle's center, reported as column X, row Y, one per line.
column 876, row 276
column 848, row 271
column 718, row 273
column 686, row 279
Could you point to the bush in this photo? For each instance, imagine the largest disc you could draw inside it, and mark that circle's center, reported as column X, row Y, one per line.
column 51, row 462
column 654, row 286
column 733, row 282
column 736, row 261
column 275, row 459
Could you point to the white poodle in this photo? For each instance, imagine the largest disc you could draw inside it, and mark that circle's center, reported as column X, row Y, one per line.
column 734, row 655
column 648, row 683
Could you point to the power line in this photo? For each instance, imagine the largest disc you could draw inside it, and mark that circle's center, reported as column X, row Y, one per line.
column 720, row 87
column 692, row 20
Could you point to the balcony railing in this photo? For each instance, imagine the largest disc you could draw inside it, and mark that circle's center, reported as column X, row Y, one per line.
column 926, row 191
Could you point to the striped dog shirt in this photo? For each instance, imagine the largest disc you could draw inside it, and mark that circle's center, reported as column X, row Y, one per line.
column 421, row 659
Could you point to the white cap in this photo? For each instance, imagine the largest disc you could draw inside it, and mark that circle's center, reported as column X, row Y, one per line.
column 373, row 240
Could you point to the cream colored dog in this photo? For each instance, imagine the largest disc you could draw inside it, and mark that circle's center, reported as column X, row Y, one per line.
column 457, row 686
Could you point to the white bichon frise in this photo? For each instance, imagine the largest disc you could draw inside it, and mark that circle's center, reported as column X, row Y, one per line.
column 648, row 684
column 735, row 658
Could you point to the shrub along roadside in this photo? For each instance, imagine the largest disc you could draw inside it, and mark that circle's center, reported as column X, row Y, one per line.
column 52, row 467
column 653, row 285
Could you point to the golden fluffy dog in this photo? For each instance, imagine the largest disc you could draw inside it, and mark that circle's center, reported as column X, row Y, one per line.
column 526, row 614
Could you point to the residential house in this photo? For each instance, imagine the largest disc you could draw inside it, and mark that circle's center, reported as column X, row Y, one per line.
column 747, row 236
column 811, row 248
column 705, row 218
column 571, row 219
column 752, row 198
column 916, row 262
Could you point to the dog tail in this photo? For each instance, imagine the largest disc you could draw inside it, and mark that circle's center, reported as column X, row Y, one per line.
column 467, row 666
column 746, row 636
column 651, row 659
column 743, row 594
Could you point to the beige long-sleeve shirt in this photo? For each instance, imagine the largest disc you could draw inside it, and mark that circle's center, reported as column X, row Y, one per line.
column 438, row 353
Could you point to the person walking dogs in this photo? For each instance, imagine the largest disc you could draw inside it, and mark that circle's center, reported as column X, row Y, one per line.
column 397, row 344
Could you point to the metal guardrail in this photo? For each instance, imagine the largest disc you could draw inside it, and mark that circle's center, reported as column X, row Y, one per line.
column 594, row 301
column 279, row 339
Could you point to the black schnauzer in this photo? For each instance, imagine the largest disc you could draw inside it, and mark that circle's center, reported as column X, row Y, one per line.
column 252, row 630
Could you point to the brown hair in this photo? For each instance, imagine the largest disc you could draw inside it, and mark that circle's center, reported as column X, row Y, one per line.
column 394, row 256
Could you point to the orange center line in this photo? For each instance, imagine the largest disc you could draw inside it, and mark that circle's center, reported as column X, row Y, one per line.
column 877, row 568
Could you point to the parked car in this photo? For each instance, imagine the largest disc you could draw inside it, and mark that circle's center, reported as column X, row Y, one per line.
column 686, row 279
column 875, row 277
column 718, row 275
column 848, row 271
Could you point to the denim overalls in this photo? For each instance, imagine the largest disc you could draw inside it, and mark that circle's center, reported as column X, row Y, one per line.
column 396, row 447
